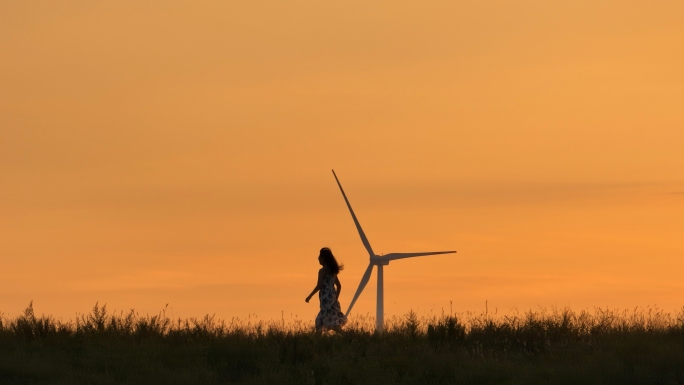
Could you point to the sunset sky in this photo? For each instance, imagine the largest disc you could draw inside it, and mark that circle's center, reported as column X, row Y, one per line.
column 180, row 152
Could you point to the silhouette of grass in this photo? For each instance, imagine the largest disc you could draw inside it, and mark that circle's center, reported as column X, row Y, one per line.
column 557, row 346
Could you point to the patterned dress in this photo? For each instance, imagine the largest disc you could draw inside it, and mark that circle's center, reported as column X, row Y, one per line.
column 330, row 315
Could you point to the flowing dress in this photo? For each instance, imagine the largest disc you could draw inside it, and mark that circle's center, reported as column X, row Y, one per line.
column 330, row 315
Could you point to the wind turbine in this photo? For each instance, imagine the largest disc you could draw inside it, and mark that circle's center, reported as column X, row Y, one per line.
column 379, row 261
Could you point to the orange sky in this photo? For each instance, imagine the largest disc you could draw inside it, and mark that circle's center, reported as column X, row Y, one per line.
column 180, row 152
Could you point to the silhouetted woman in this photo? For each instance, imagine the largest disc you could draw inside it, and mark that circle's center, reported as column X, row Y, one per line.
column 330, row 316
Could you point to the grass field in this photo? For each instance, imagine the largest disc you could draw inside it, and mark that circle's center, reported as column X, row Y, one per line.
column 642, row 346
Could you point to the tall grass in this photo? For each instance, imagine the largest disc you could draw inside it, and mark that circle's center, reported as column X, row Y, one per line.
column 532, row 330
column 645, row 345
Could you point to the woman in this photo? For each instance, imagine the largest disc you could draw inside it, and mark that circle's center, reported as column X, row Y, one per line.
column 330, row 316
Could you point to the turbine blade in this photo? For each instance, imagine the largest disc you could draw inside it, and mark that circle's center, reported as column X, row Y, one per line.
column 393, row 256
column 362, row 285
column 356, row 221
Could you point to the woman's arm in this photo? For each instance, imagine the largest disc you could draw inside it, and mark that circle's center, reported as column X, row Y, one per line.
column 318, row 285
column 339, row 287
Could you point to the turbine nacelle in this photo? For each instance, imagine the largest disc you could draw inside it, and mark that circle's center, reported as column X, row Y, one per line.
column 379, row 260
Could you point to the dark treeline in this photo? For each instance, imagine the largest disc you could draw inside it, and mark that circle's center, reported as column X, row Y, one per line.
column 642, row 346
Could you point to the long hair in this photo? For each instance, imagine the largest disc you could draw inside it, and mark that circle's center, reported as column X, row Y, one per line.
column 328, row 260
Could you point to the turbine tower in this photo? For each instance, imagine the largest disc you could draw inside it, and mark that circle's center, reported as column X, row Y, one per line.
column 379, row 261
